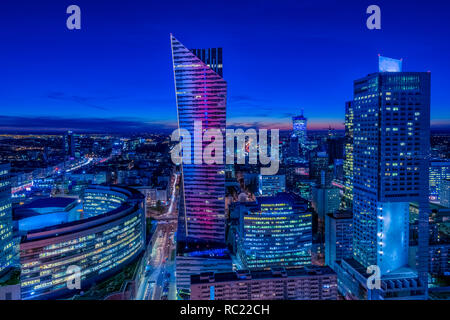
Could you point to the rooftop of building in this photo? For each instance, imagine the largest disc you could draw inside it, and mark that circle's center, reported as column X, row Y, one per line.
column 281, row 197
column 54, row 202
column 341, row 214
column 202, row 249
column 274, row 273
column 43, row 224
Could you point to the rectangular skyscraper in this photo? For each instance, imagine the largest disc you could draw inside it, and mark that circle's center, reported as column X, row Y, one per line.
column 6, row 228
column 299, row 124
column 390, row 167
column 347, row 200
column 201, row 96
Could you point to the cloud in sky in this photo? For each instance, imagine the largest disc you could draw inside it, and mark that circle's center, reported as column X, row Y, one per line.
column 123, row 125
column 83, row 100
column 59, row 124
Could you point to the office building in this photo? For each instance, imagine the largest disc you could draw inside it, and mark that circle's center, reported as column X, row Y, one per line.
column 325, row 200
column 347, row 200
column 319, row 170
column 390, row 170
column 308, row 283
column 439, row 171
column 276, row 233
column 201, row 95
column 6, row 226
column 445, row 193
column 56, row 236
column 71, row 145
column 338, row 236
column 192, row 260
column 271, row 185
column 299, row 128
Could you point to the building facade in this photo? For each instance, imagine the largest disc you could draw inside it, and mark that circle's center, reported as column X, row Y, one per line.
column 98, row 246
column 439, row 171
column 271, row 185
column 338, row 236
column 347, row 200
column 309, row 283
column 6, row 226
column 390, row 168
column 445, row 193
column 276, row 233
column 201, row 95
column 299, row 128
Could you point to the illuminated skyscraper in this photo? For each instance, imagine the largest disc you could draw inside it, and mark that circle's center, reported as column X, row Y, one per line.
column 71, row 144
column 390, row 168
column 347, row 200
column 299, row 124
column 439, row 171
column 6, row 228
column 201, row 96
column 338, row 236
column 277, row 232
column 445, row 193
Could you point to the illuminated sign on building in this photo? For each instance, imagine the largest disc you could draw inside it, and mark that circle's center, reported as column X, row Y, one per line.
column 386, row 64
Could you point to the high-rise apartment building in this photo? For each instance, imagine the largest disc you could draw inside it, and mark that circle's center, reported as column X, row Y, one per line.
column 201, row 95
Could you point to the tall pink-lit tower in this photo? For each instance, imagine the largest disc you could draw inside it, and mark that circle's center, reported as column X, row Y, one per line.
column 201, row 95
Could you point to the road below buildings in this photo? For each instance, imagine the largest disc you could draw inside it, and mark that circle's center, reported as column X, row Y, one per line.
column 158, row 279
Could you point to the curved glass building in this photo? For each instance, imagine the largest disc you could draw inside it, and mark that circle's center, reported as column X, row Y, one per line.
column 276, row 231
column 99, row 243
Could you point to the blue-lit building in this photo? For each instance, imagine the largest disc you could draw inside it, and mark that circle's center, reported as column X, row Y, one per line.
column 439, row 171
column 338, row 236
column 6, row 226
column 277, row 232
column 271, row 185
column 201, row 95
column 100, row 245
column 445, row 193
column 390, row 169
column 299, row 128
column 71, row 144
column 347, row 199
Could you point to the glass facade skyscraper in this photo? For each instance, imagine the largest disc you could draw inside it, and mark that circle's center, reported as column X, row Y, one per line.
column 347, row 199
column 201, row 95
column 276, row 233
column 299, row 124
column 390, row 167
column 6, row 228
column 439, row 171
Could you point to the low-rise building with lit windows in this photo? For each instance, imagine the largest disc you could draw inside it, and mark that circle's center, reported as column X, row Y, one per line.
column 303, row 283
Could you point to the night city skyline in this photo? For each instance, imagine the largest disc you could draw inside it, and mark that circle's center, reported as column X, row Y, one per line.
column 113, row 73
column 216, row 159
